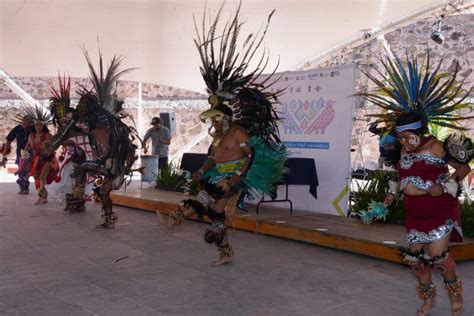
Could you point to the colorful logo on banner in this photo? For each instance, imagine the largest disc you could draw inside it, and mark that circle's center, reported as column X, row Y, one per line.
column 307, row 117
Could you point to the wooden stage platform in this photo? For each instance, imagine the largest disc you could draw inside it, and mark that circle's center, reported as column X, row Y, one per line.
column 376, row 240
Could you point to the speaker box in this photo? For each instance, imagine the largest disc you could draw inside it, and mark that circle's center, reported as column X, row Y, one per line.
column 168, row 120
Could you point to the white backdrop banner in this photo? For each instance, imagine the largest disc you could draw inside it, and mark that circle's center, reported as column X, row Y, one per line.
column 317, row 110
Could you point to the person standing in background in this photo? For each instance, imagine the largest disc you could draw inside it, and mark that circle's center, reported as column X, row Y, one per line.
column 21, row 133
column 160, row 141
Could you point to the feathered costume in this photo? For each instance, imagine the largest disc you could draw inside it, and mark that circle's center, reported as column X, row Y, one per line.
column 418, row 95
column 40, row 153
column 112, row 140
column 227, row 82
column 76, row 149
column 236, row 95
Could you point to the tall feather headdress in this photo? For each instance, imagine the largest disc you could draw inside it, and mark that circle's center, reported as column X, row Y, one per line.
column 33, row 115
column 413, row 87
column 105, row 80
column 229, row 79
column 60, row 101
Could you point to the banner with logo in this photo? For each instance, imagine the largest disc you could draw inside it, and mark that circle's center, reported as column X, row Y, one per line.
column 317, row 110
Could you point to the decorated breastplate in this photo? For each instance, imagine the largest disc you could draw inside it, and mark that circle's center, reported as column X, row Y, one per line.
column 422, row 170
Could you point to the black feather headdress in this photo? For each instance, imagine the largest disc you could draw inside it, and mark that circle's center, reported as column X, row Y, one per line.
column 104, row 82
column 33, row 115
column 229, row 79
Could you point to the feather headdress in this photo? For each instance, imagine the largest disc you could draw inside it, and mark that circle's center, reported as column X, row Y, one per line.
column 60, row 101
column 229, row 79
column 33, row 115
column 415, row 87
column 105, row 80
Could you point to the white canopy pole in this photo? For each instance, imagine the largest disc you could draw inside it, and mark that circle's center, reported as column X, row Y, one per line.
column 5, row 78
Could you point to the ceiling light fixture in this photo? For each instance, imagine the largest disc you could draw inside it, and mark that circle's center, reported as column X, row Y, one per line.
column 436, row 34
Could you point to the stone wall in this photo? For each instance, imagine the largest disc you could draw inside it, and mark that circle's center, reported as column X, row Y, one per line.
column 156, row 99
column 39, row 88
column 413, row 38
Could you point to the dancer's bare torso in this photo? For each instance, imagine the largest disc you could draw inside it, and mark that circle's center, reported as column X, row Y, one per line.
column 229, row 147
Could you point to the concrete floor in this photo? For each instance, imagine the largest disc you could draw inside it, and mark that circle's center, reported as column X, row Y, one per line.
column 52, row 263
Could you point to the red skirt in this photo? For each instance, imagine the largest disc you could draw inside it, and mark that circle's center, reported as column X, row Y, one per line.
column 429, row 218
column 37, row 165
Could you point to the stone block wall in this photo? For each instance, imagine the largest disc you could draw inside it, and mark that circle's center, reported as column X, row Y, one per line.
column 186, row 105
column 411, row 39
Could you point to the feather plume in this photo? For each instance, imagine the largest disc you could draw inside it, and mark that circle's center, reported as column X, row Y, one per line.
column 60, row 100
column 105, row 80
column 228, row 76
column 412, row 86
column 33, row 115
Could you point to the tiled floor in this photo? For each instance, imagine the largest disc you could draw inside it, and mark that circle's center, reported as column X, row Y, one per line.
column 52, row 263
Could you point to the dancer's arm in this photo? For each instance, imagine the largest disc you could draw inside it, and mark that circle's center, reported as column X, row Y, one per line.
column 28, row 145
column 242, row 138
column 393, row 190
column 9, row 139
column 208, row 164
column 460, row 171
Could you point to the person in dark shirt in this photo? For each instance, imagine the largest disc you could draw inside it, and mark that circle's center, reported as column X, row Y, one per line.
column 20, row 133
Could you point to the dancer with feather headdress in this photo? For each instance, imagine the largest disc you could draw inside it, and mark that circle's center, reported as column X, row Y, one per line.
column 99, row 112
column 75, row 149
column 412, row 97
column 246, row 157
column 44, row 165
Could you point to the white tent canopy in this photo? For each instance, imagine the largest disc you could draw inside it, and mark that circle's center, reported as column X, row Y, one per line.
column 44, row 37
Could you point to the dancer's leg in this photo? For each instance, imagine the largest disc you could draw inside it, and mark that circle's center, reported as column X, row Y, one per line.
column 43, row 180
column 425, row 287
column 219, row 229
column 447, row 267
column 108, row 216
column 75, row 202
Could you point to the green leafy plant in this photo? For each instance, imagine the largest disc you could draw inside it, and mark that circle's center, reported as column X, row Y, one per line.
column 170, row 179
column 467, row 217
